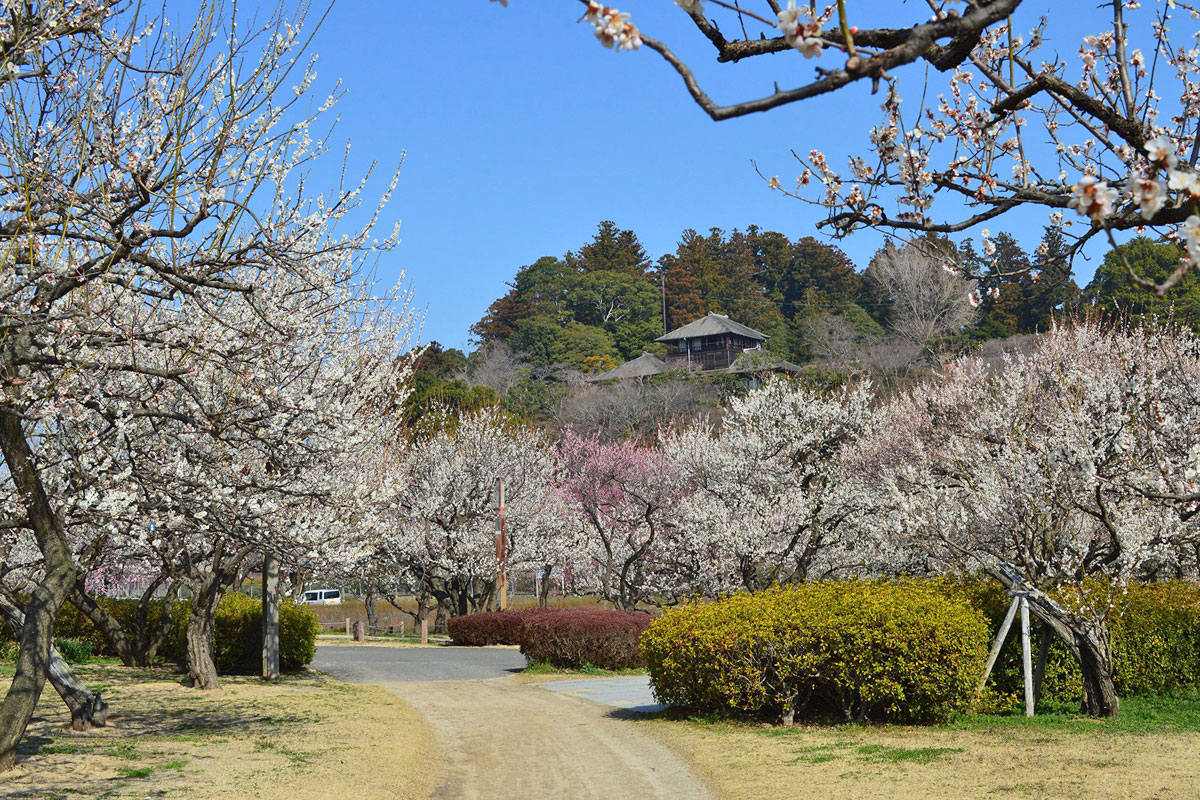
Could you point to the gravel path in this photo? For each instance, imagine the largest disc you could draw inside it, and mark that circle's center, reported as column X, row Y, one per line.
column 507, row 740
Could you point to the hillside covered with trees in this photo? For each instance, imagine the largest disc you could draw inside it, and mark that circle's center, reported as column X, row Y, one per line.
column 913, row 304
column 607, row 301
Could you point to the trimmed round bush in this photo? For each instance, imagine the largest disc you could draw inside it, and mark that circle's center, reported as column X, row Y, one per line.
column 492, row 627
column 593, row 637
column 852, row 650
column 237, row 636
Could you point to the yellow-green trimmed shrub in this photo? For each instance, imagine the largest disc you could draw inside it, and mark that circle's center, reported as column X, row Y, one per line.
column 1156, row 638
column 237, row 636
column 852, row 650
column 1154, row 632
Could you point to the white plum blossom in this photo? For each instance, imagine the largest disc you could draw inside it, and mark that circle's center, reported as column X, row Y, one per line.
column 613, row 28
column 1150, row 194
column 1092, row 198
column 1161, row 150
column 1190, row 230
column 767, row 496
column 801, row 29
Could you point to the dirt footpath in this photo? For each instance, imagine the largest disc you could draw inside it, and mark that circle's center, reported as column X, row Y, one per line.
column 505, row 740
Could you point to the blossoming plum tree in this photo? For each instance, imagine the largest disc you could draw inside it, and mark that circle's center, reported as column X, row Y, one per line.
column 1044, row 464
column 766, row 499
column 626, row 495
column 443, row 530
column 154, row 222
column 1105, row 128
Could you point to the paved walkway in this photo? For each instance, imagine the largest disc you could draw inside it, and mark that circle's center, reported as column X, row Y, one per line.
column 507, row 740
column 366, row 664
column 628, row 692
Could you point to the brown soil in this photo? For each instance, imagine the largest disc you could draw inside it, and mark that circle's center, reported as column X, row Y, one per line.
column 504, row 739
column 869, row 764
column 304, row 737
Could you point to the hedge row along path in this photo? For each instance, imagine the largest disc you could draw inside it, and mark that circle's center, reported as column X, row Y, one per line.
column 506, row 739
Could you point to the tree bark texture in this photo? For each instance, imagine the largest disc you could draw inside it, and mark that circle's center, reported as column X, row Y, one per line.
column 202, row 669
column 369, row 605
column 544, row 589
column 1086, row 639
column 58, row 576
column 87, row 709
column 105, row 622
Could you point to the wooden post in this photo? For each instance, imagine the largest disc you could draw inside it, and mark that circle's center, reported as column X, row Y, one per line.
column 270, row 617
column 999, row 643
column 347, row 626
column 1026, row 657
column 424, row 631
column 502, row 580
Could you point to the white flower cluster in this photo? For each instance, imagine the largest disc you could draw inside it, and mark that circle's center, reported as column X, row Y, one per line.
column 1092, row 198
column 802, row 29
column 613, row 27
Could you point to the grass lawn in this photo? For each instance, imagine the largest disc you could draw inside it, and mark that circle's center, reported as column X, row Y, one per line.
column 1147, row 752
column 307, row 736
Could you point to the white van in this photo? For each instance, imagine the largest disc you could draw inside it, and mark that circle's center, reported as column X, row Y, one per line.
column 322, row 597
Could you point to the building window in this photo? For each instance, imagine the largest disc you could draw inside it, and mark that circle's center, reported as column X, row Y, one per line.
column 683, row 345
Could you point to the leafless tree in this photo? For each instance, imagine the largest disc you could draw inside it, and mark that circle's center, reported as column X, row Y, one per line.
column 833, row 338
column 929, row 296
column 497, row 366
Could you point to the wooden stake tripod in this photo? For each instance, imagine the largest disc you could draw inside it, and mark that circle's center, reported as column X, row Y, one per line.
column 1033, row 676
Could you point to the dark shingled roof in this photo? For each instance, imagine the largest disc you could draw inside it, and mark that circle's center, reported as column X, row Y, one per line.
column 754, row 361
column 643, row 366
column 711, row 325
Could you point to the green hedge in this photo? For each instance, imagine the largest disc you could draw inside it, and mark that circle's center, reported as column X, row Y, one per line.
column 237, row 639
column 1154, row 632
column 853, row 650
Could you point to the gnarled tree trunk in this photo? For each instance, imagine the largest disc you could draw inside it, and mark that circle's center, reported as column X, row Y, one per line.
column 105, row 622
column 139, row 647
column 1087, row 640
column 87, row 709
column 544, row 589
column 369, row 604
column 58, row 576
column 202, row 669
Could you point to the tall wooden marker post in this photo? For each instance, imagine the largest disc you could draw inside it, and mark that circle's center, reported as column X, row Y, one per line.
column 501, row 546
column 270, row 616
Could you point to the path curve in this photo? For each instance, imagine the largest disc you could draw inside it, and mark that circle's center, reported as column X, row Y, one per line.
column 506, row 739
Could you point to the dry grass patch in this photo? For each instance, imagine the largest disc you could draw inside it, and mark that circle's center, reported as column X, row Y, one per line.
column 1061, row 757
column 307, row 736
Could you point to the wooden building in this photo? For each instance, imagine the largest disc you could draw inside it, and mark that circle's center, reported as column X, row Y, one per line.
column 712, row 342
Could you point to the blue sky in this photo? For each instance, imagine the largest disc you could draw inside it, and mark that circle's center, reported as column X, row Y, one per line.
column 521, row 133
